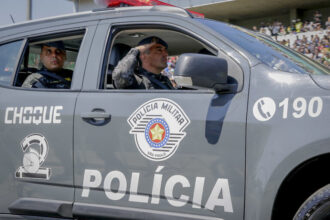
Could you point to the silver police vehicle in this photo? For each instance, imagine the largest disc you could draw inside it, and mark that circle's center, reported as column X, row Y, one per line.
column 244, row 137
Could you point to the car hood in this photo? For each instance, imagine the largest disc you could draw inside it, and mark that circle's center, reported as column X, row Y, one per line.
column 322, row 81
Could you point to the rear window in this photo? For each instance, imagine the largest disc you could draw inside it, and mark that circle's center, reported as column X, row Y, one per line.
column 39, row 59
column 8, row 59
column 267, row 51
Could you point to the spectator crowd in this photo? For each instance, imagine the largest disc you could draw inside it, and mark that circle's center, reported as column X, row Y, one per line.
column 307, row 40
column 315, row 45
column 297, row 26
column 316, row 48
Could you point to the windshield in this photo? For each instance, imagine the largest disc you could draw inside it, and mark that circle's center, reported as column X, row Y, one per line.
column 266, row 50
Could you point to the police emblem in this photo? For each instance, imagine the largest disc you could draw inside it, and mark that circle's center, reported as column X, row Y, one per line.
column 158, row 128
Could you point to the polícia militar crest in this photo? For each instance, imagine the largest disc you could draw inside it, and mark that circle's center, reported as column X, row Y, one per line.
column 158, row 128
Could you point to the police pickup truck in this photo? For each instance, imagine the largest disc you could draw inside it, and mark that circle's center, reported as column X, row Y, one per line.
column 245, row 136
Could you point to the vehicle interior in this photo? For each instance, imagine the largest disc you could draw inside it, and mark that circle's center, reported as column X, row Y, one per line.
column 30, row 62
column 178, row 43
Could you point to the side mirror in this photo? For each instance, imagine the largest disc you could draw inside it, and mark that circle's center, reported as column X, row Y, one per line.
column 199, row 70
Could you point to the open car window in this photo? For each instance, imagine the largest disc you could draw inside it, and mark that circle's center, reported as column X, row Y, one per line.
column 178, row 43
column 31, row 62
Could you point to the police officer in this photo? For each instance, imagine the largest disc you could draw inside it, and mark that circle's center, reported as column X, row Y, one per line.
column 51, row 74
column 152, row 54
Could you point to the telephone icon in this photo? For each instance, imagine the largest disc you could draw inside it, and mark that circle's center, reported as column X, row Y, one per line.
column 264, row 109
column 263, row 112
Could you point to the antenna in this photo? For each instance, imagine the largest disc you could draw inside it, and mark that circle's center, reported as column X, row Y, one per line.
column 12, row 19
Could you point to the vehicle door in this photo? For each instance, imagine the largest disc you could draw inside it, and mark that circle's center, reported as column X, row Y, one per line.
column 37, row 123
column 155, row 154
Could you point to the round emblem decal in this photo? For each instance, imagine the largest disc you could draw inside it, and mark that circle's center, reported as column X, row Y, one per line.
column 158, row 128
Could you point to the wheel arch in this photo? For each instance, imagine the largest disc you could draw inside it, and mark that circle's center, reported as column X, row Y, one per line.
column 299, row 184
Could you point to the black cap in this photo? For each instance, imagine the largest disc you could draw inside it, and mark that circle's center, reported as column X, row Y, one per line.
column 153, row 39
column 56, row 44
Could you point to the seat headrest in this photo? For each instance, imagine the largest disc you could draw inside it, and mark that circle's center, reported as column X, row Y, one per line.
column 117, row 53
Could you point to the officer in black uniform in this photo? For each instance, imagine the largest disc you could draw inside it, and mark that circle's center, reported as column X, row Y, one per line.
column 152, row 54
column 51, row 74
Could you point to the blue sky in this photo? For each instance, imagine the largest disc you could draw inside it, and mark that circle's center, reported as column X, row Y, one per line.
column 40, row 9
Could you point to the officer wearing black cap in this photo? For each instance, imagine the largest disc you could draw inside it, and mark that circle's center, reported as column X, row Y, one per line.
column 51, row 74
column 152, row 54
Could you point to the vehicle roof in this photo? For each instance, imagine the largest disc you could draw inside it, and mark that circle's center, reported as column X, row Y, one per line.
column 97, row 15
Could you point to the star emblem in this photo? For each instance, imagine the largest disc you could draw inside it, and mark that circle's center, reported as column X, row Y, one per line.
column 157, row 133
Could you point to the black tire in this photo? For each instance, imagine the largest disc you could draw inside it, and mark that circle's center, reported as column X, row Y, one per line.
column 316, row 207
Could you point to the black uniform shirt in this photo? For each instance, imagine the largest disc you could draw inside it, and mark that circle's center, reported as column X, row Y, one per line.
column 46, row 79
column 127, row 75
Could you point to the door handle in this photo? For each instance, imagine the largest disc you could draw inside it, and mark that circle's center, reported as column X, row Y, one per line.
column 97, row 117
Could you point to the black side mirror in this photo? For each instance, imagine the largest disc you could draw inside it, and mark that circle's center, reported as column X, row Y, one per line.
column 199, row 70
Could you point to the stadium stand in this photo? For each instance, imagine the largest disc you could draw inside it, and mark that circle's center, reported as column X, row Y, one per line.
column 310, row 38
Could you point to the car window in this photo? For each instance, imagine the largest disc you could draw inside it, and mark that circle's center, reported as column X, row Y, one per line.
column 266, row 50
column 178, row 43
column 8, row 59
column 49, row 61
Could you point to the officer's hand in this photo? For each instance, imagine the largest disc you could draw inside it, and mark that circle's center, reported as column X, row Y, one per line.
column 145, row 47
